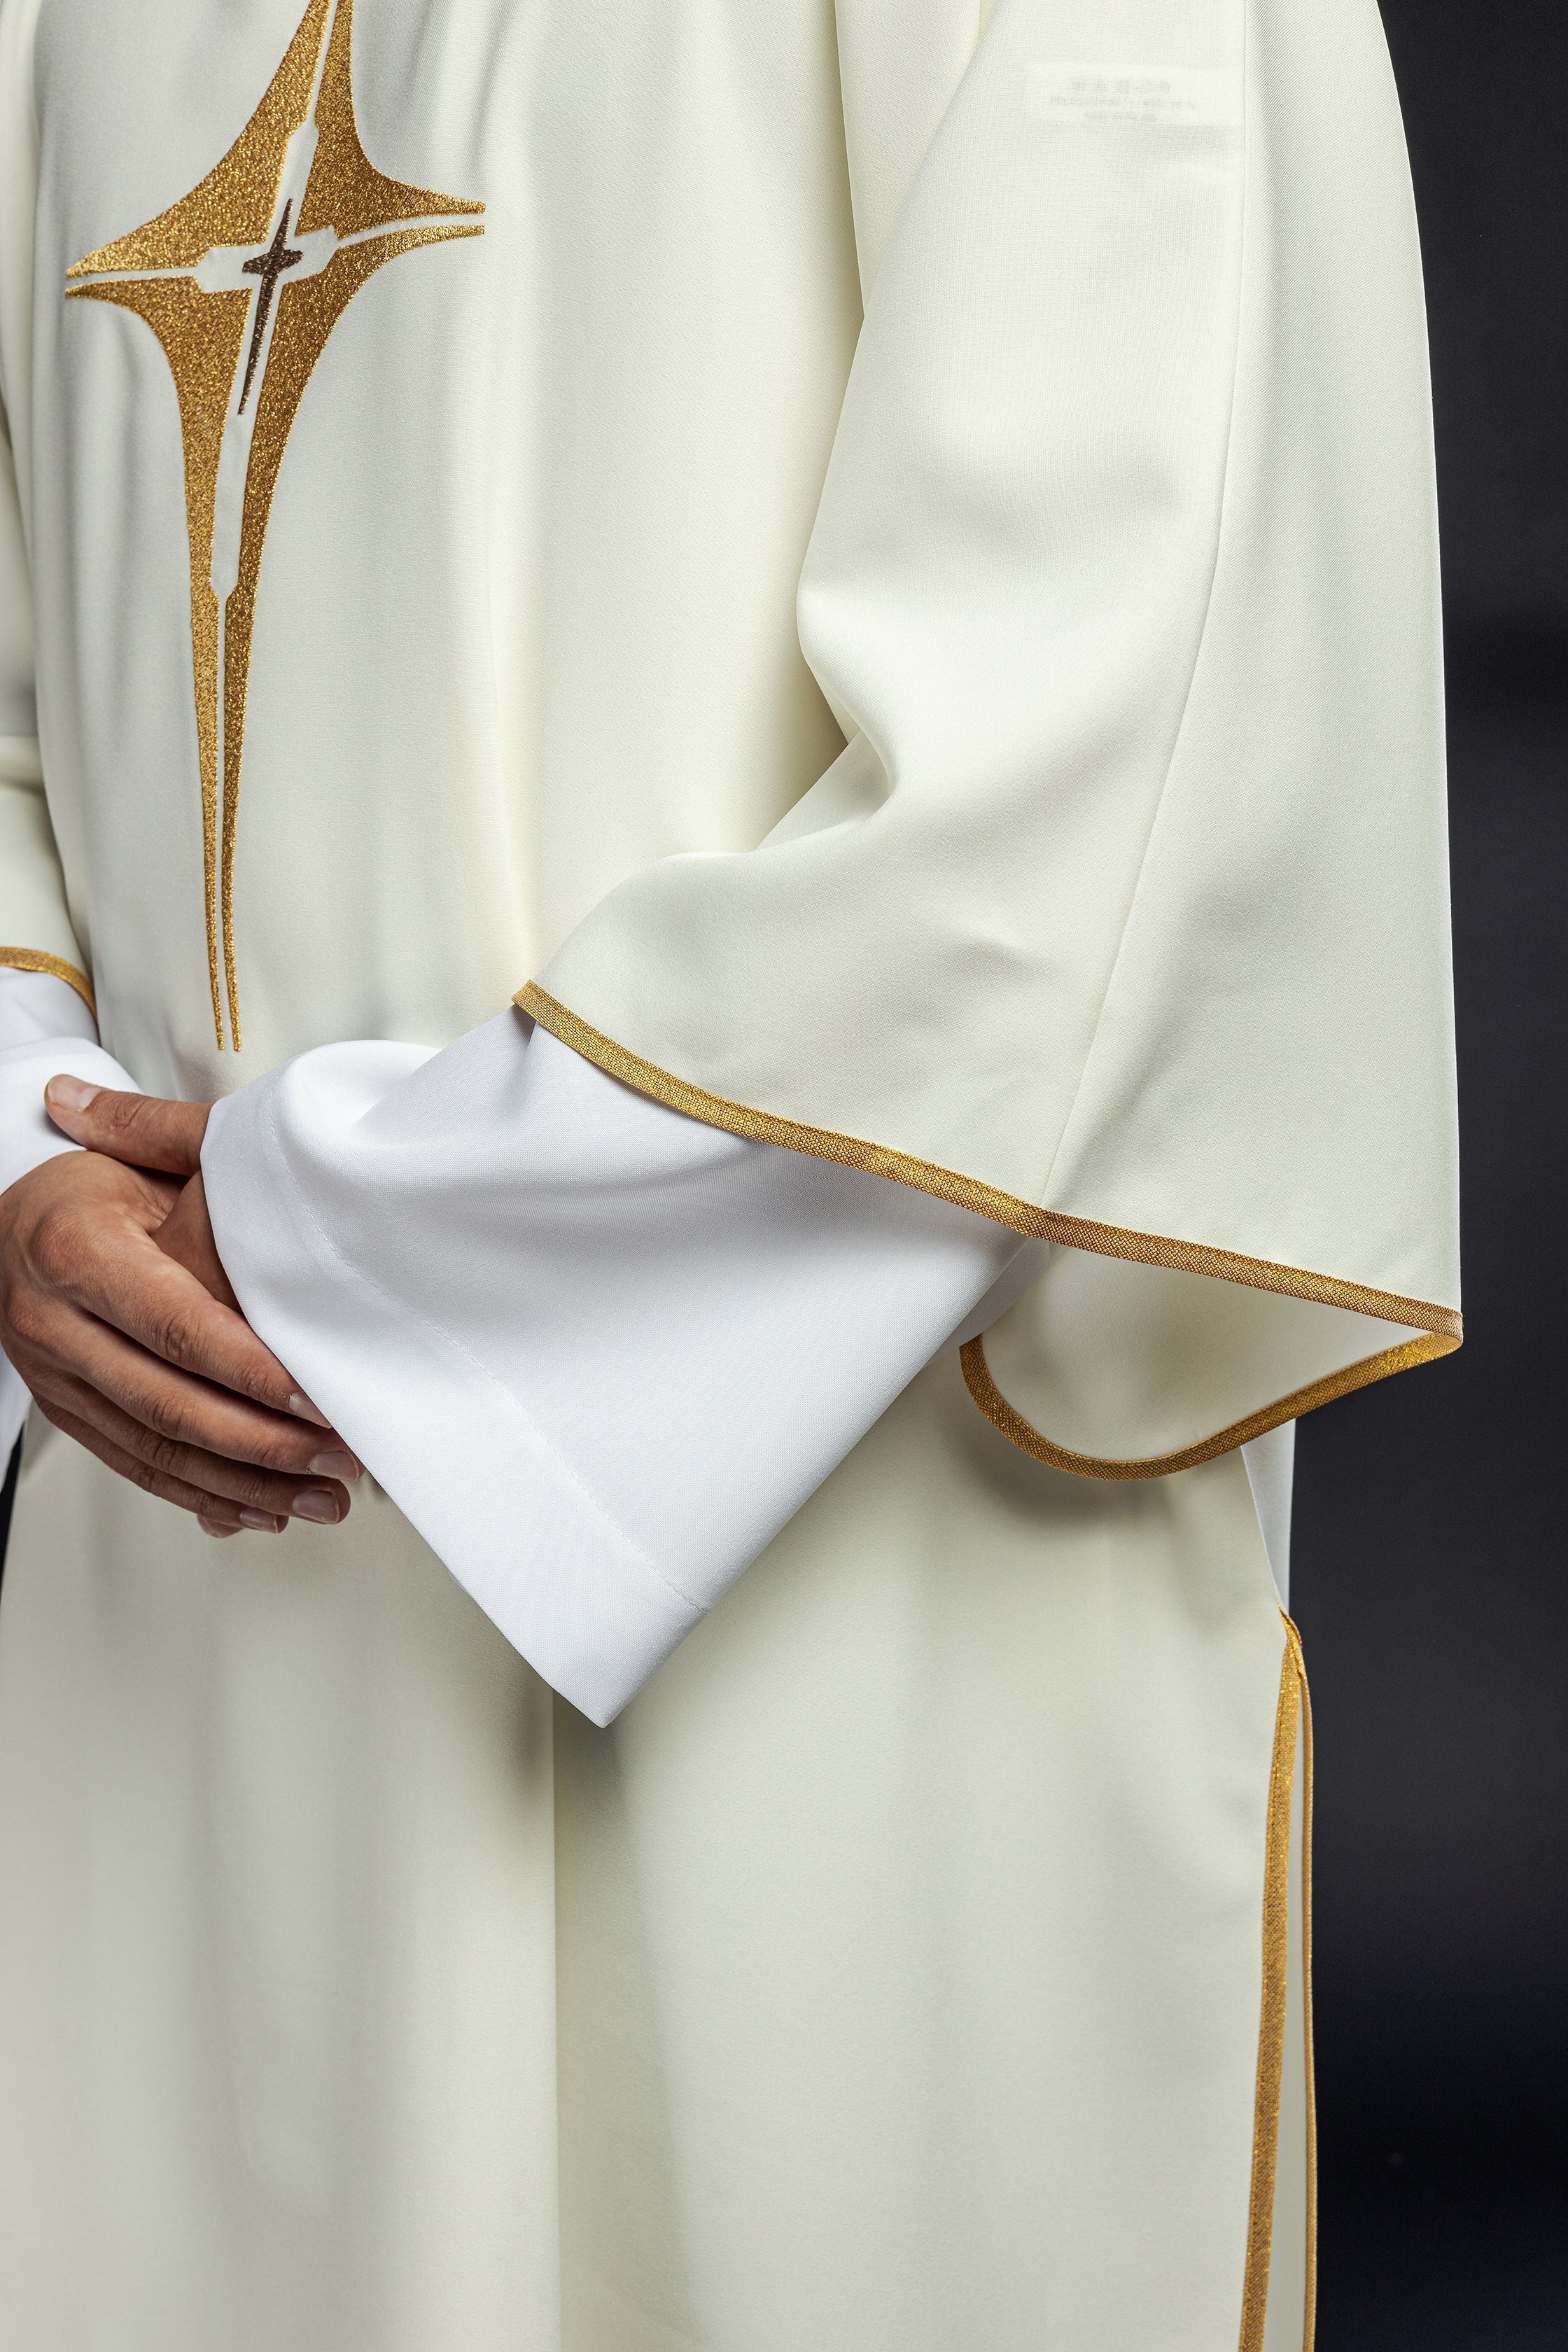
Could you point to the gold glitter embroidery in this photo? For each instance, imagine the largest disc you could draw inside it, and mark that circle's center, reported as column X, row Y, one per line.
column 1310, row 2311
column 1293, row 1717
column 308, row 310
column 235, row 204
column 201, row 335
column 35, row 960
column 986, row 1200
column 223, row 259
column 345, row 190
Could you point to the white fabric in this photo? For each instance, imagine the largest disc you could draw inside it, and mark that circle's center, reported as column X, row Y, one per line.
column 598, row 1354
column 44, row 1029
column 691, row 1330
column 669, row 1329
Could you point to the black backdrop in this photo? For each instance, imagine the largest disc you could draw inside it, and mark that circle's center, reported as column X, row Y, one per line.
column 1429, row 1571
column 1429, row 1567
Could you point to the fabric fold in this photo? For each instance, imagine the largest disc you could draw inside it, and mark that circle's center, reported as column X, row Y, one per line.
column 598, row 1354
column 1123, row 917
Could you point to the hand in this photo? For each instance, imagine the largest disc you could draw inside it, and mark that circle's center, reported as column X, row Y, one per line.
column 121, row 1345
column 148, row 1131
column 187, row 1236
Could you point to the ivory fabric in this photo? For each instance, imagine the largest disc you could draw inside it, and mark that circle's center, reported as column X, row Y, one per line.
column 895, row 1969
column 1123, row 585
column 693, row 1330
column 1139, row 829
column 887, row 1974
column 1121, row 581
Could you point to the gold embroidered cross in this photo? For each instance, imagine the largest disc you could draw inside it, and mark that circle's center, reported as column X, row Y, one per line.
column 269, row 267
column 216, row 262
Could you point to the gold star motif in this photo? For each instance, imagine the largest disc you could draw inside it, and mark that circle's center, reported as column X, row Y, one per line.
column 242, row 281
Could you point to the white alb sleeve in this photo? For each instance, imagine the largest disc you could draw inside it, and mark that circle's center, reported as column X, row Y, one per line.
column 597, row 1352
column 44, row 1029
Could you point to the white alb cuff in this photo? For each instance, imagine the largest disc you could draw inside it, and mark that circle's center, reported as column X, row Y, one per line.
column 597, row 1352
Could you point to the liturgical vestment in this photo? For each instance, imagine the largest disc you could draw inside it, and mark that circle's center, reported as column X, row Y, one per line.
column 756, row 684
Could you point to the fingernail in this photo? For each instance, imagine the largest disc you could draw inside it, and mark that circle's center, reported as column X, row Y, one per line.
column 336, row 1465
column 267, row 1522
column 317, row 1503
column 304, row 1409
column 214, row 1526
column 71, row 1094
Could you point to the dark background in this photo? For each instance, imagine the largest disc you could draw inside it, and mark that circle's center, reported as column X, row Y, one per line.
column 1429, row 1574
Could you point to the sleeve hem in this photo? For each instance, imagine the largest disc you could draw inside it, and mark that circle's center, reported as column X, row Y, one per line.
column 1029, row 1439
column 1008, row 1209
column 461, row 1458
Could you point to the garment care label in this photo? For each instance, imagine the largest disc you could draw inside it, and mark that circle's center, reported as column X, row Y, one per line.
column 1166, row 97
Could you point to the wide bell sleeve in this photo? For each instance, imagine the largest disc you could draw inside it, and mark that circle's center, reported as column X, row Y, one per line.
column 1123, row 917
column 596, row 1352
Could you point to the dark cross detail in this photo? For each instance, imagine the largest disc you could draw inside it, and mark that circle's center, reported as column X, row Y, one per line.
column 269, row 267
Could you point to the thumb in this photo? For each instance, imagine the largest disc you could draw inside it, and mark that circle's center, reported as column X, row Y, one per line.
column 145, row 1130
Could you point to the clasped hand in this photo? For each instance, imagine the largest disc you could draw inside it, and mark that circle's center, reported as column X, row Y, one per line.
column 116, row 1311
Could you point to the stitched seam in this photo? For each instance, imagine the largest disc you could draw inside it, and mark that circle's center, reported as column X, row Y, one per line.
column 1203, row 630
column 570, row 1476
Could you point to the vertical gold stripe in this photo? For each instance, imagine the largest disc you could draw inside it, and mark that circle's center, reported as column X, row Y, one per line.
column 1309, row 2316
column 202, row 336
column 308, row 310
column 1276, row 1986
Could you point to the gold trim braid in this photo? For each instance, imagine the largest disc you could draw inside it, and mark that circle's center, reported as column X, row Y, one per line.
column 1309, row 2315
column 1292, row 1715
column 946, row 1184
column 1029, row 1439
column 34, row 960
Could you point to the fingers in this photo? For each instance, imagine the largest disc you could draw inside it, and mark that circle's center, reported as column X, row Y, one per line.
column 172, row 1407
column 169, row 1313
column 125, row 1349
column 217, row 1516
column 145, row 1130
column 263, row 1499
column 101, row 1262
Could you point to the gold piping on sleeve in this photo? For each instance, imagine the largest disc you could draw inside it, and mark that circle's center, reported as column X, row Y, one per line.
column 969, row 1193
column 34, row 960
column 1022, row 1434
column 1272, row 2018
